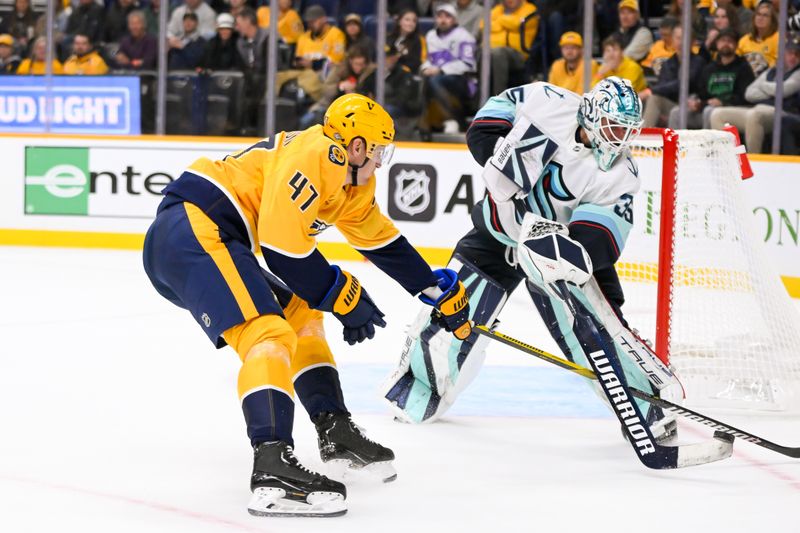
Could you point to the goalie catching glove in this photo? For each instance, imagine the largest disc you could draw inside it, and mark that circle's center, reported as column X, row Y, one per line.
column 450, row 300
column 547, row 254
column 351, row 304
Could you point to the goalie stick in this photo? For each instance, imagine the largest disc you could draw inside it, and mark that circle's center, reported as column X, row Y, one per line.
column 720, row 427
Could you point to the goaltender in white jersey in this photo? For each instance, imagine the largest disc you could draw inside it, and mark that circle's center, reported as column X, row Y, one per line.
column 561, row 183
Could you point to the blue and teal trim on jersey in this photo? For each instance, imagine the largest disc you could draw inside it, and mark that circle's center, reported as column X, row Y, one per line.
column 603, row 218
column 501, row 106
column 550, row 185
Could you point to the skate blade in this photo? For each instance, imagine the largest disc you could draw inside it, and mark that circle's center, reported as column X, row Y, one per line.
column 344, row 469
column 272, row 502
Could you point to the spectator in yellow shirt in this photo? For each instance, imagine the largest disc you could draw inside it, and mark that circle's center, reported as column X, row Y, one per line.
column 567, row 72
column 760, row 46
column 616, row 64
column 513, row 27
column 320, row 45
column 84, row 58
column 290, row 26
column 36, row 63
column 321, row 42
column 663, row 48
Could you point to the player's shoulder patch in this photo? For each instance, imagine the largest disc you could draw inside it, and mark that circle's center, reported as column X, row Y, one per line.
column 336, row 155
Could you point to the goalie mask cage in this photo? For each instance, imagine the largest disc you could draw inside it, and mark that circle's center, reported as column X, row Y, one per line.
column 697, row 279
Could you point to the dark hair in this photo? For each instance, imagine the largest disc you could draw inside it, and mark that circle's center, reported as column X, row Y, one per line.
column 612, row 40
column 395, row 33
column 669, row 22
column 190, row 15
column 357, row 51
column 733, row 16
column 82, row 34
column 249, row 15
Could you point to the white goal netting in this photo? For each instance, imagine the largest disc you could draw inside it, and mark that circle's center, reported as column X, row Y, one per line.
column 734, row 332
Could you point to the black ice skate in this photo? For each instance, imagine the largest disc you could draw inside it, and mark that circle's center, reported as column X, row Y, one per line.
column 344, row 445
column 283, row 487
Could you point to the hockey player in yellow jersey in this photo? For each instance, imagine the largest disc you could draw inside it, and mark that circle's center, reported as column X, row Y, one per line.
column 276, row 196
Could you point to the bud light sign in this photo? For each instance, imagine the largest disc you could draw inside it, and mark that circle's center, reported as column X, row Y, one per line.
column 74, row 104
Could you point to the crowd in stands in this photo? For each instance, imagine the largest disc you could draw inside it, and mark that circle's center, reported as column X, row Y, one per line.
column 328, row 47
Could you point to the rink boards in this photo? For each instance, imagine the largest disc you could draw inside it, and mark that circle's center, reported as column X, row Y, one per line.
column 99, row 192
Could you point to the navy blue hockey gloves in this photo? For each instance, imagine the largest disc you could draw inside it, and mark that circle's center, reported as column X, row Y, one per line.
column 452, row 306
column 351, row 304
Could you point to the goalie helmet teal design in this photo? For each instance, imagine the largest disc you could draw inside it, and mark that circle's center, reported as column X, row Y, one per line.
column 611, row 114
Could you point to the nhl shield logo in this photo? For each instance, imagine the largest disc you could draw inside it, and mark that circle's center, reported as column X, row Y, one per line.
column 412, row 192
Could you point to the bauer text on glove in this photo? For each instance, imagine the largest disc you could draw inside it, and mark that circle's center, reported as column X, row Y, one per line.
column 351, row 304
column 452, row 304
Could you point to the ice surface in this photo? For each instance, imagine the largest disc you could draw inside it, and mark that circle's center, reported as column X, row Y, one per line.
column 117, row 415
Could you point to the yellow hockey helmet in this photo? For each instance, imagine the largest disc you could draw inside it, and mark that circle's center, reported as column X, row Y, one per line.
column 354, row 115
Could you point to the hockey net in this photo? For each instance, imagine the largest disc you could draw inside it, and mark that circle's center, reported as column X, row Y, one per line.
column 698, row 282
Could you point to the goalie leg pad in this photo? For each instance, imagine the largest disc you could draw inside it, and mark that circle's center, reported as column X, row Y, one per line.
column 641, row 368
column 435, row 367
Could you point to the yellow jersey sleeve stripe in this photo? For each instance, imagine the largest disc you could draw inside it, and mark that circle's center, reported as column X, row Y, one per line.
column 207, row 234
column 233, row 201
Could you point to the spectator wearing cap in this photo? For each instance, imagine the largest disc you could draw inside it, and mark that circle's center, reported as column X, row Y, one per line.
column 469, row 14
column 138, row 49
column 663, row 48
column 636, row 38
column 567, row 72
column 514, row 24
column 662, row 96
column 446, row 88
column 87, row 18
column 321, row 43
column 724, row 18
column 186, row 52
column 116, row 23
column 615, row 63
column 722, row 83
column 355, row 36
column 319, row 46
column 84, row 59
column 290, row 25
column 9, row 61
column 406, row 39
column 760, row 45
column 758, row 120
column 20, row 23
column 37, row 62
column 220, row 51
column 206, row 19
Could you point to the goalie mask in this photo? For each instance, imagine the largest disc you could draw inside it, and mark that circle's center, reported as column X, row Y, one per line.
column 611, row 114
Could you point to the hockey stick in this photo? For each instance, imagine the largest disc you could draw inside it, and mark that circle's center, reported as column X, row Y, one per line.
column 721, row 427
column 606, row 365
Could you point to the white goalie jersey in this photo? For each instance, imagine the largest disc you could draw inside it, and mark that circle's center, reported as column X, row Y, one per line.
column 543, row 167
